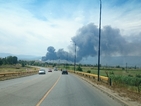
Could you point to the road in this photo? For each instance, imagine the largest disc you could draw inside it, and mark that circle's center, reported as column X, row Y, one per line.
column 52, row 89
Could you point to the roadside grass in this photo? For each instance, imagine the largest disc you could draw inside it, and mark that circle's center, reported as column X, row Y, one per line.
column 110, row 70
column 114, row 71
column 16, row 71
column 15, row 68
column 132, row 72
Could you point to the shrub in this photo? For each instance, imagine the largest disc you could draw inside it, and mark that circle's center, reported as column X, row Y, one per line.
column 112, row 73
column 138, row 75
column 126, row 80
column 79, row 68
column 130, row 75
column 88, row 71
column 23, row 65
column 118, row 66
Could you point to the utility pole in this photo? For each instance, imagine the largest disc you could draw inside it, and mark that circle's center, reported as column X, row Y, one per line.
column 67, row 61
column 99, row 43
column 126, row 67
column 74, row 57
column 59, row 63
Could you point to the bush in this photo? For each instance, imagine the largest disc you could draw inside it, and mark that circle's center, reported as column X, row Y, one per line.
column 23, row 65
column 79, row 68
column 126, row 80
column 138, row 76
column 111, row 73
column 88, row 71
column 130, row 75
column 118, row 66
column 53, row 65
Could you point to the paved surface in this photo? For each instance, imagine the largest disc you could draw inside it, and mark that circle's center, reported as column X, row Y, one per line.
column 72, row 91
column 68, row 91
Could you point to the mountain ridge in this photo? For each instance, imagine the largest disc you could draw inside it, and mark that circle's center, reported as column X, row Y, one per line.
column 21, row 57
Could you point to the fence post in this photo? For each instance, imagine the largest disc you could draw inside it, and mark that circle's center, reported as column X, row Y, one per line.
column 110, row 81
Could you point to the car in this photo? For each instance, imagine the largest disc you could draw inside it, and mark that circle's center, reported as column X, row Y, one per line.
column 42, row 71
column 64, row 72
column 49, row 70
column 55, row 69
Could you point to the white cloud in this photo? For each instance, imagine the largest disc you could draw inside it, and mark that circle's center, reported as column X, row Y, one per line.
column 25, row 31
column 126, row 17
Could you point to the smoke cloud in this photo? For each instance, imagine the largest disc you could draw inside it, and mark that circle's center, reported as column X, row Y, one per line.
column 87, row 38
column 60, row 54
column 112, row 42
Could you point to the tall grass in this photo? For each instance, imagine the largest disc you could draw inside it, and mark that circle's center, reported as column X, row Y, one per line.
column 14, row 68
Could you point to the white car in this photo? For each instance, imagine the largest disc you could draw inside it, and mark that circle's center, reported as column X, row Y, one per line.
column 55, row 69
column 42, row 71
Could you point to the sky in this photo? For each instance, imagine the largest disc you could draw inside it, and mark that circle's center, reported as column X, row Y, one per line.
column 28, row 27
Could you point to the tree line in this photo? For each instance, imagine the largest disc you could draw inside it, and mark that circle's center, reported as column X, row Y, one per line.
column 9, row 60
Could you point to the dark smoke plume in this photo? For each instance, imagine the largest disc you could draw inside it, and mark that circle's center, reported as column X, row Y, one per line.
column 112, row 42
column 60, row 54
column 86, row 40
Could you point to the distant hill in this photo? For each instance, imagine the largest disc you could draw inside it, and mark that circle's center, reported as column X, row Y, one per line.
column 21, row 57
column 2, row 55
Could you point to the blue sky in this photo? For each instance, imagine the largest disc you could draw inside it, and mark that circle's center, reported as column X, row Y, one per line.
column 30, row 26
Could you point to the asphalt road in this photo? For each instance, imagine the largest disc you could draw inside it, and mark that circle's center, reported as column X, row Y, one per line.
column 52, row 89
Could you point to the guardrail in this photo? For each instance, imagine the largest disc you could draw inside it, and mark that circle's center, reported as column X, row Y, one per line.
column 94, row 76
column 16, row 73
column 13, row 74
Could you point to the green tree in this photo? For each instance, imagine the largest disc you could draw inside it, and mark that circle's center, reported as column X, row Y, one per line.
column 23, row 65
column 4, row 61
column 79, row 68
column 15, row 60
column 9, row 60
column 1, row 61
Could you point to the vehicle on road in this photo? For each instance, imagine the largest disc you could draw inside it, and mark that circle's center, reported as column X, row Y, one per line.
column 42, row 71
column 50, row 70
column 55, row 69
column 64, row 72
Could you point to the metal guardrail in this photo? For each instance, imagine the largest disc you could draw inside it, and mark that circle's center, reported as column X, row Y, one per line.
column 17, row 73
column 94, row 76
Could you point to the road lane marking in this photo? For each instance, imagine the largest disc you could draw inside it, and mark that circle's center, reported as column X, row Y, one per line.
column 46, row 94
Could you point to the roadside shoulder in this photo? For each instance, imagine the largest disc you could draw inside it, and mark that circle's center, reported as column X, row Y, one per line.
column 111, row 93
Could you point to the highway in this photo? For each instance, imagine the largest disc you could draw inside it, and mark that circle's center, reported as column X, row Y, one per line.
column 52, row 89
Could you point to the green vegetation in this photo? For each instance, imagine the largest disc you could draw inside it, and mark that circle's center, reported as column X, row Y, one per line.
column 127, row 81
column 88, row 71
column 15, row 68
column 11, row 64
column 79, row 68
column 129, row 78
column 8, row 60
